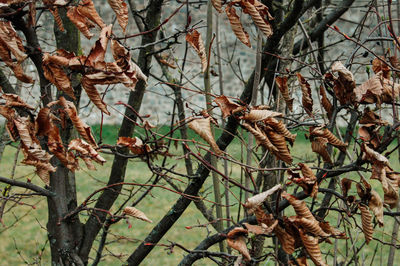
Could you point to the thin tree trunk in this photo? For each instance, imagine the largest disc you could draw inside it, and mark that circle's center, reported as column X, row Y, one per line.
column 207, row 90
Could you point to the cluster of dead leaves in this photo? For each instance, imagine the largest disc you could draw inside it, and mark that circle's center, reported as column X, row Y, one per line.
column 257, row 11
column 29, row 130
column 268, row 131
column 94, row 70
column 307, row 180
column 300, row 231
column 369, row 200
column 378, row 89
column 12, row 51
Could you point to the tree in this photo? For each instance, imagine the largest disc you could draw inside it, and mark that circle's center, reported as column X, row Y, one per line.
column 301, row 87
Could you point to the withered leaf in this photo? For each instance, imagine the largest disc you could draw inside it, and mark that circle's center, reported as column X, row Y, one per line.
column 236, row 239
column 281, row 82
column 195, row 40
column 306, row 100
column 202, row 127
column 135, row 145
column 237, row 26
column 83, row 129
column 132, row 211
column 318, row 145
column 121, row 10
column 366, row 221
column 312, row 247
column 253, row 202
column 227, row 106
column 259, row 13
column 376, row 206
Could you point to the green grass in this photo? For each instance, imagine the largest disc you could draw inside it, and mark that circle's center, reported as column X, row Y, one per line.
column 28, row 234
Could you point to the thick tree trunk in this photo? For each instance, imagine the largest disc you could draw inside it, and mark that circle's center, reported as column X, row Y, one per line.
column 65, row 236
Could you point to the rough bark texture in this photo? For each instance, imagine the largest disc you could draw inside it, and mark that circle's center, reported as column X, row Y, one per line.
column 65, row 236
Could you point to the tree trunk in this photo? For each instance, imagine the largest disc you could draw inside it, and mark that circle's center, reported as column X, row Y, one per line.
column 65, row 236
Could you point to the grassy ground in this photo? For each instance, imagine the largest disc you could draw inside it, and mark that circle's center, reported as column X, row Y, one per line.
column 25, row 232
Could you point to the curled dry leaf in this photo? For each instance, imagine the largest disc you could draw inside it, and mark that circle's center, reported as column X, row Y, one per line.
column 261, row 137
column 309, row 180
column 280, row 128
column 217, row 4
column 326, row 133
column 45, row 127
column 310, row 226
column 255, row 201
column 202, row 127
column 135, row 145
column 262, row 229
column 83, row 129
column 236, row 239
column 86, row 8
column 123, row 60
column 13, row 100
column 366, row 221
column 195, row 40
column 344, row 83
column 227, row 106
column 94, row 95
column 131, row 211
column 56, row 75
column 279, row 142
column 311, row 244
column 237, row 26
column 86, row 152
column 326, row 104
column 259, row 13
column 256, row 115
column 300, row 207
column 376, row 206
column 390, row 182
column 378, row 65
column 57, row 18
column 346, row 185
column 306, row 100
column 318, row 145
column 81, row 22
column 370, row 117
column 332, row 231
column 281, row 82
column 121, row 10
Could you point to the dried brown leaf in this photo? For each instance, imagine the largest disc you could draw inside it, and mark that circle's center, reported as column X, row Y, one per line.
column 227, row 106
column 306, row 100
column 281, row 82
column 56, row 75
column 202, row 127
column 312, row 247
column 237, row 26
column 253, row 202
column 318, row 145
column 261, row 137
column 326, row 104
column 366, row 221
column 256, row 115
column 217, row 4
column 94, row 95
column 236, row 239
column 83, row 129
column 257, row 12
column 121, row 10
column 376, row 206
column 195, row 40
column 279, row 142
column 280, row 128
column 132, row 211
column 326, row 133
